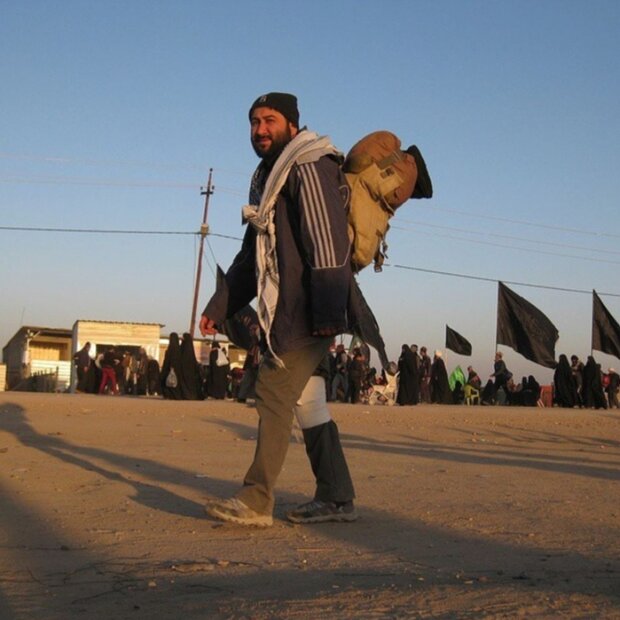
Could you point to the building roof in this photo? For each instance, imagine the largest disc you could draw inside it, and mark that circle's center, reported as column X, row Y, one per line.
column 59, row 332
column 160, row 325
column 45, row 331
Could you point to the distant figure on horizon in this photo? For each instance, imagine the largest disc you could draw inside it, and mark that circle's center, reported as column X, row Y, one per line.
column 219, row 367
column 171, row 370
column 441, row 393
column 408, row 379
column 564, row 390
column 109, row 362
column 424, row 373
column 577, row 370
column 613, row 383
column 501, row 374
column 82, row 362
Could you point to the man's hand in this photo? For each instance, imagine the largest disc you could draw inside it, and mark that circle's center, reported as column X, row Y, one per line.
column 207, row 326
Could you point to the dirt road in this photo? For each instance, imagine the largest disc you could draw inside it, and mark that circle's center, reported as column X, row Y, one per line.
column 466, row 512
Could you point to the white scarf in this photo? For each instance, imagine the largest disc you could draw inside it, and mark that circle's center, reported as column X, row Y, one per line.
column 305, row 147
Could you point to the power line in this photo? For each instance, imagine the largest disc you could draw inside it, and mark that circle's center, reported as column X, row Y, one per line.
column 232, row 238
column 90, row 161
column 485, row 216
column 509, row 247
column 56, row 159
column 98, row 231
column 236, row 192
column 501, row 236
column 60, row 159
column 102, row 231
column 494, row 280
column 115, row 183
column 99, row 182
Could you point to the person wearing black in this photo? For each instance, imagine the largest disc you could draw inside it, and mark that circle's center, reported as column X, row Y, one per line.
column 82, row 362
column 340, row 383
column 191, row 377
column 564, row 392
column 593, row 394
column 356, row 373
column 218, row 372
column 577, row 369
column 488, row 393
column 500, row 372
column 153, row 378
column 531, row 393
column 612, row 388
column 473, row 379
column 598, row 391
column 440, row 386
column 408, row 380
column 424, row 372
column 141, row 379
column 109, row 363
column 171, row 370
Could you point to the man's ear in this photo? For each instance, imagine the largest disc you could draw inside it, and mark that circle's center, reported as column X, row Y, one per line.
column 294, row 130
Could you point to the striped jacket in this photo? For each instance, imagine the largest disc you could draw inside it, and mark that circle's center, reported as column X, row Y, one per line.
column 313, row 254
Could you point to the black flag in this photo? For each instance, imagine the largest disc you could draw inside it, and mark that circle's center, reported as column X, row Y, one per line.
column 364, row 324
column 605, row 329
column 455, row 342
column 522, row 326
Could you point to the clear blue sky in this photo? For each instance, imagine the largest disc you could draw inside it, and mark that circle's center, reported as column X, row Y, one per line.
column 112, row 113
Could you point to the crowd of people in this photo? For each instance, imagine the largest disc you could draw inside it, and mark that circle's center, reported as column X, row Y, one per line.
column 116, row 372
column 419, row 379
column 183, row 377
column 585, row 385
column 574, row 384
column 180, row 377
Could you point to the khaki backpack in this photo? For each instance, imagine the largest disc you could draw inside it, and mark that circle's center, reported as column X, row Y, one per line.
column 381, row 177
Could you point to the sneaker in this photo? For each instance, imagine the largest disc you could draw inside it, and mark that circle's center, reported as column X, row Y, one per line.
column 234, row 510
column 317, row 511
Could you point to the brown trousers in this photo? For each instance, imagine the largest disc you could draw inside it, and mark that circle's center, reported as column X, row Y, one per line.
column 277, row 392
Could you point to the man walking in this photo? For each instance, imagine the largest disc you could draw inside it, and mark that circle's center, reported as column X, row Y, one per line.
column 295, row 258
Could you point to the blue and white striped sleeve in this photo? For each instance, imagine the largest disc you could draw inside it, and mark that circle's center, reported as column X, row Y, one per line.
column 322, row 196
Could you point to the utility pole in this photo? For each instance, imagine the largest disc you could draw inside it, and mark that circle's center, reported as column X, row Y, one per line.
column 204, row 231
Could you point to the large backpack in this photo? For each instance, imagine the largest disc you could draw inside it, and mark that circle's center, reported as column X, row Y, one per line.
column 382, row 177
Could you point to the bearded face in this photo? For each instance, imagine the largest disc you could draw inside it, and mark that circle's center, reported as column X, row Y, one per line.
column 270, row 132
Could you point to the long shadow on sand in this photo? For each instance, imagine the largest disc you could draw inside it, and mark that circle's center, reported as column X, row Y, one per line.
column 407, row 565
column 492, row 455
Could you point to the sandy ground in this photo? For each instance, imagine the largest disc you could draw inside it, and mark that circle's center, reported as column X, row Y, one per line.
column 466, row 512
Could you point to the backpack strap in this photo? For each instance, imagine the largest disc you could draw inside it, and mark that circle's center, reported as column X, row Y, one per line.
column 392, row 158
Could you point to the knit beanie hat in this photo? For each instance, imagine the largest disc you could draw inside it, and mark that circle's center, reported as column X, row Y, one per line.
column 284, row 103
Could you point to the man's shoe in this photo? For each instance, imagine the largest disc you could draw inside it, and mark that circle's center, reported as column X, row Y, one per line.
column 317, row 511
column 234, row 510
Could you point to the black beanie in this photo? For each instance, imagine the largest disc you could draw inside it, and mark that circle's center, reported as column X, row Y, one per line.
column 282, row 102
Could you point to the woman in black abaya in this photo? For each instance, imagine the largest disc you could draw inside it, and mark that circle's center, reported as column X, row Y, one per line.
column 564, row 392
column 191, row 377
column 532, row 392
column 598, row 392
column 171, row 370
column 408, row 383
column 440, row 387
column 219, row 368
column 589, row 370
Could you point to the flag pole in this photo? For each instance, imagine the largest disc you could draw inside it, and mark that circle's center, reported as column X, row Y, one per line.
column 204, row 230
